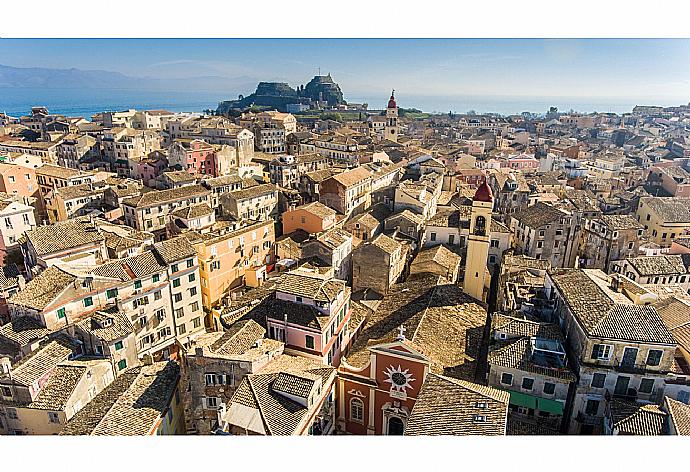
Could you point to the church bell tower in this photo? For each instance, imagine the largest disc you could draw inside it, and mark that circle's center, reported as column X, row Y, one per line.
column 478, row 242
column 391, row 129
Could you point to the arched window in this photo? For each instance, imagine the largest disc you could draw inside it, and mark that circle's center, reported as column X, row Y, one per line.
column 480, row 226
column 396, row 427
column 357, row 410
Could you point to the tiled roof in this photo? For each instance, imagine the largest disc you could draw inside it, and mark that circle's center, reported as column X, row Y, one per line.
column 436, row 259
column 42, row 361
column 517, row 327
column 63, row 235
column 604, row 313
column 131, row 405
column 620, row 222
column 309, row 286
column 538, row 215
column 158, row 197
column 252, row 192
column 679, row 415
column 62, row 382
column 440, row 320
column 43, row 288
column 174, row 250
column 658, row 265
column 386, row 243
column 637, row 419
column 179, row 176
column 352, row 177
column 448, row 406
column 118, row 326
column 669, row 209
column 131, row 268
column 193, row 211
column 279, row 415
column 238, row 338
column 445, row 219
column 334, row 238
column 676, row 316
column 24, row 330
column 318, row 209
column 517, row 354
column 297, row 384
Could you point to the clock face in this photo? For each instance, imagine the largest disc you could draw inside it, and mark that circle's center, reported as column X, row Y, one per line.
column 399, row 379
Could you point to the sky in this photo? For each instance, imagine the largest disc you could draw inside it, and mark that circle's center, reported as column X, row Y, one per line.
column 611, row 68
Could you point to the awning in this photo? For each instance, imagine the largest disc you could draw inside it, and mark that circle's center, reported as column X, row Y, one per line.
column 550, row 406
column 522, row 399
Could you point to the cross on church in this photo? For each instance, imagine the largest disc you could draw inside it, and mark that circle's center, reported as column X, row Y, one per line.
column 401, row 334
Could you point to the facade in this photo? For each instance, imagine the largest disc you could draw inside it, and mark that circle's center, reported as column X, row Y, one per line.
column 313, row 218
column 609, row 238
column 347, row 191
column 664, row 218
column 618, row 348
column 225, row 257
column 544, row 232
column 378, row 264
column 259, row 202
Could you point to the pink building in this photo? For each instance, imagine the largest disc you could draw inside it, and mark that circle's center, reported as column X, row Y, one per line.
column 310, row 315
column 195, row 156
column 521, row 162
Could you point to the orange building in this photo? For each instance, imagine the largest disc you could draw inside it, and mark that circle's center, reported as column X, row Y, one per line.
column 18, row 180
column 226, row 257
column 313, row 218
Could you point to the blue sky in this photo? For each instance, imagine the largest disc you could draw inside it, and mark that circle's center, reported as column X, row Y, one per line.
column 625, row 68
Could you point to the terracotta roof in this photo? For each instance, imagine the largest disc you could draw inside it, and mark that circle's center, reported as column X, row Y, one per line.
column 24, row 330
column 131, row 405
column 252, row 192
column 352, row 177
column 159, row 197
column 42, row 361
column 174, row 250
column 448, row 406
column 637, row 419
column 679, row 415
column 604, row 313
column 307, row 285
column 60, row 386
column 43, row 288
column 64, row 235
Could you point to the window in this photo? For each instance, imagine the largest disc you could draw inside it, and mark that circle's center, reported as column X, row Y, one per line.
column 53, row 417
column 357, row 410
column 527, row 383
column 654, row 357
column 646, row 385
column 433, row 236
column 111, row 293
column 506, row 378
column 179, row 312
column 592, row 407
column 157, row 295
column 211, row 402
column 174, row 267
column 61, row 313
column 156, row 278
column 181, row 328
column 137, row 284
column 549, row 388
column 190, row 263
column 118, row 345
column 598, row 380
column 192, row 277
column 601, row 351
column 451, row 238
column 309, row 342
column 195, row 306
column 540, row 244
column 176, row 283
column 6, row 391
column 88, row 301
column 122, row 364
column 192, row 291
column 196, row 322
column 177, row 297
column 494, row 243
column 479, row 419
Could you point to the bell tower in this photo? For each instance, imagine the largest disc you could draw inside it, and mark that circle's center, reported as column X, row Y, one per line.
column 391, row 130
column 478, row 242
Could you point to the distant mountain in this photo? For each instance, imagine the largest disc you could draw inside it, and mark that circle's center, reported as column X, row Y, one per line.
column 40, row 77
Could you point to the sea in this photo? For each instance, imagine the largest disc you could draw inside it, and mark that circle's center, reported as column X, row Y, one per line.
column 88, row 102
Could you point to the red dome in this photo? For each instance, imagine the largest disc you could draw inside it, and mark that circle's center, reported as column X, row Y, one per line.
column 483, row 193
column 391, row 101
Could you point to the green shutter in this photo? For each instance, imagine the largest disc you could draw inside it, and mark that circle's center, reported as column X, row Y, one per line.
column 522, row 399
column 550, row 406
column 118, row 345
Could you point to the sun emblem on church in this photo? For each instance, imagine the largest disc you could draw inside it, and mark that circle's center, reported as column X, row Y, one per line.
column 398, row 378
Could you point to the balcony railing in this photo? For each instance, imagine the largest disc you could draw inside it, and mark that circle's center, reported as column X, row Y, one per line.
column 620, row 366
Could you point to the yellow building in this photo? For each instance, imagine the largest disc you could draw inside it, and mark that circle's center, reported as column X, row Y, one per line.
column 225, row 257
column 478, row 242
column 664, row 218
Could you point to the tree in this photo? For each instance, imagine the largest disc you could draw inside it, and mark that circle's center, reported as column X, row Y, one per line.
column 332, row 116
